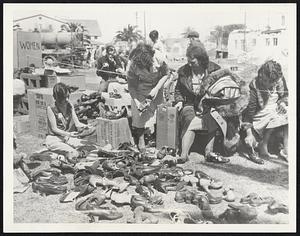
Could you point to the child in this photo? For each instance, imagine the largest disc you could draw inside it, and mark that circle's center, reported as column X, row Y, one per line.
column 267, row 109
column 62, row 137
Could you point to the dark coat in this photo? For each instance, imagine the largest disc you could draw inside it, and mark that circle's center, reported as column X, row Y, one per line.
column 184, row 88
column 184, row 93
column 113, row 65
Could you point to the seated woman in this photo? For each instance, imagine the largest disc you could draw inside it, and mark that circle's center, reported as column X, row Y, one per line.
column 145, row 81
column 267, row 109
column 62, row 135
column 188, row 94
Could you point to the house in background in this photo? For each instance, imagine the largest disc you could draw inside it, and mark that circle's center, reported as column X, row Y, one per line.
column 92, row 28
column 39, row 23
column 243, row 41
column 259, row 43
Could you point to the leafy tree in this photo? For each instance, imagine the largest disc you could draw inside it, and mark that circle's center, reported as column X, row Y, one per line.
column 186, row 31
column 220, row 34
column 129, row 34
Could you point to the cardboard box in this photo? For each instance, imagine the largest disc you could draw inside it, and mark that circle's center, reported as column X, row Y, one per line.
column 113, row 132
column 73, row 80
column 38, row 100
column 21, row 124
column 167, row 127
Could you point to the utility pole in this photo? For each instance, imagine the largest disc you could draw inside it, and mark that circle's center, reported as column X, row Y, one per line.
column 145, row 25
column 245, row 30
column 136, row 18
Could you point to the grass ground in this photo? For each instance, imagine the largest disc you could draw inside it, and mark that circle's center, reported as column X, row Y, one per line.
column 270, row 179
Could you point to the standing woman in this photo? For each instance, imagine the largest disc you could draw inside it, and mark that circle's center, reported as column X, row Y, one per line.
column 145, row 80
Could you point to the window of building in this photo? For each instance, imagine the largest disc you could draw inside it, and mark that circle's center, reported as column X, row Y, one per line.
column 275, row 41
column 235, row 44
column 243, row 45
column 267, row 42
column 95, row 37
column 254, row 42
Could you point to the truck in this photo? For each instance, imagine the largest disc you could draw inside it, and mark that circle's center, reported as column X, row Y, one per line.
column 33, row 47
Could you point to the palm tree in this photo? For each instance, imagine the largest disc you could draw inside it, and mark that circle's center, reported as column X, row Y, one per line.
column 129, row 34
column 79, row 30
column 186, row 31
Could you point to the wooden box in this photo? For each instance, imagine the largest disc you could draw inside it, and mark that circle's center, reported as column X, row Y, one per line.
column 113, row 132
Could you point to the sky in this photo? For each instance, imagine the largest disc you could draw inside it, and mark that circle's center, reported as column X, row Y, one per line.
column 169, row 19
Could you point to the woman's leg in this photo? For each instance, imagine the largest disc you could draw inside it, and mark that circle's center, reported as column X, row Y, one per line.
column 285, row 139
column 187, row 142
column 210, row 146
column 103, row 86
column 263, row 147
column 55, row 144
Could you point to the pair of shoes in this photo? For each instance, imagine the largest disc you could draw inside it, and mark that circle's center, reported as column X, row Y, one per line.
column 275, row 207
column 188, row 196
column 141, row 217
column 216, row 158
column 90, row 203
column 229, row 195
column 103, row 213
column 168, row 185
column 254, row 200
column 165, row 150
column 253, row 156
column 207, row 181
column 46, row 188
column 141, row 170
column 149, row 203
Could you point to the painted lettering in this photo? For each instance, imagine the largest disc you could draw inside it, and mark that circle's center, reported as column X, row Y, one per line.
column 27, row 45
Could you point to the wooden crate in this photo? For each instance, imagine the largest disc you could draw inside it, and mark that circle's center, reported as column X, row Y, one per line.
column 113, row 132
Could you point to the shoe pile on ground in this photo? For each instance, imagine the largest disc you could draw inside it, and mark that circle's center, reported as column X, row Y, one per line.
column 110, row 179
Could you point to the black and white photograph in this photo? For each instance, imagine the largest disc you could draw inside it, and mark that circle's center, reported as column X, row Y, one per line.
column 149, row 117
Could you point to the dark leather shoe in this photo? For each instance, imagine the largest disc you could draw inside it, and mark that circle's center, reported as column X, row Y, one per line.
column 254, row 157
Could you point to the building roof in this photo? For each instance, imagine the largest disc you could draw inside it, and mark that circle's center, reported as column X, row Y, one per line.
column 91, row 26
column 272, row 31
column 38, row 15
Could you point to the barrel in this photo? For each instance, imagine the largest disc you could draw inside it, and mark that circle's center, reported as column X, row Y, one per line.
column 61, row 38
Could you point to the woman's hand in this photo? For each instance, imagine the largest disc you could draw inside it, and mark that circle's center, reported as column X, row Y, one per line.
column 281, row 108
column 73, row 134
column 179, row 106
column 250, row 141
column 153, row 93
